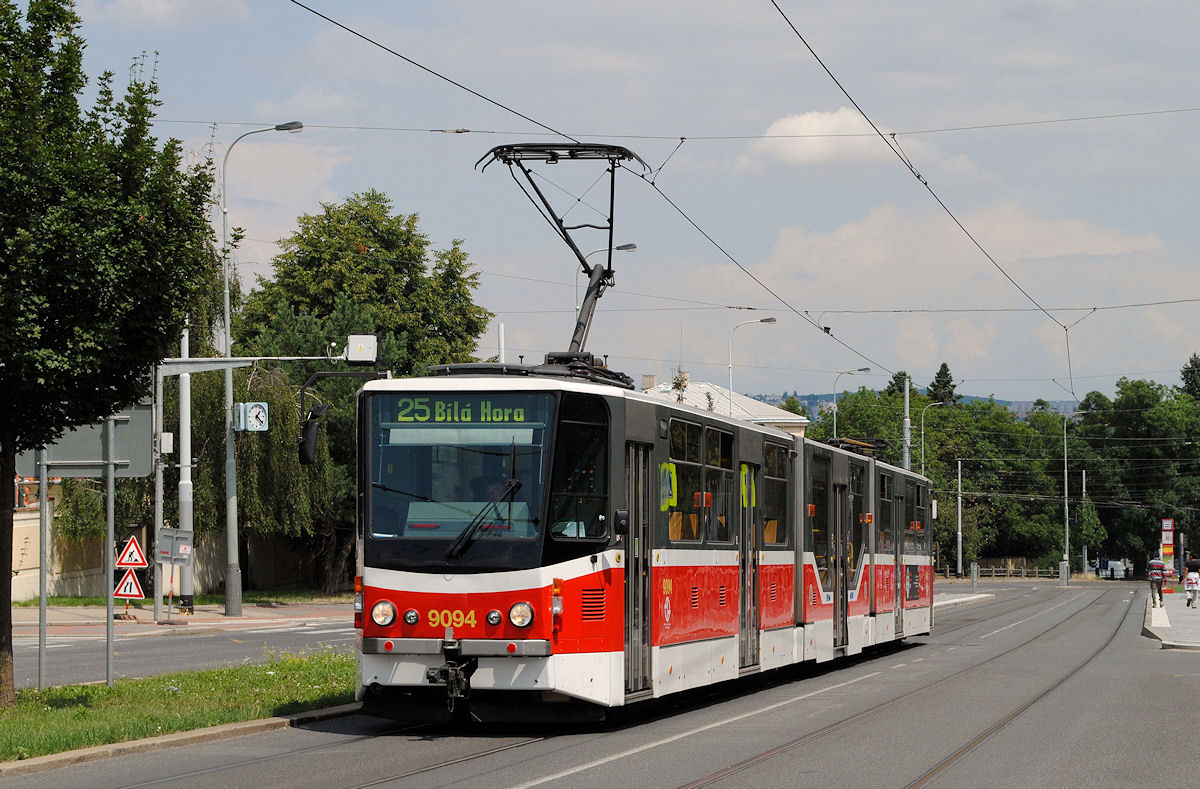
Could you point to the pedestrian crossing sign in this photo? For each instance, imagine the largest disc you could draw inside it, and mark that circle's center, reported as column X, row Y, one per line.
column 128, row 588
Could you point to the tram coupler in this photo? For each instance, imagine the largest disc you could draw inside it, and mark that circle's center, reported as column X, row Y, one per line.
column 456, row 676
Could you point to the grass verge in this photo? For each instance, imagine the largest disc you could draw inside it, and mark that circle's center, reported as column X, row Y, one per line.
column 80, row 716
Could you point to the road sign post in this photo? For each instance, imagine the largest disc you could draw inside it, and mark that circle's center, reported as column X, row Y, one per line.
column 118, row 447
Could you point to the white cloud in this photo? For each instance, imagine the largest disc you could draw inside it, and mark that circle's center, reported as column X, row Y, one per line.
column 819, row 138
column 1011, row 233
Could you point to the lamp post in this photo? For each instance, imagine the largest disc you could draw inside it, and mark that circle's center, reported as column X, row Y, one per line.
column 620, row 248
column 923, row 410
column 835, row 392
column 233, row 572
column 731, row 331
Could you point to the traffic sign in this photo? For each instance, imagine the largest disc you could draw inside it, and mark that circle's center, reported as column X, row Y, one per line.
column 128, row 588
column 131, row 555
column 173, row 546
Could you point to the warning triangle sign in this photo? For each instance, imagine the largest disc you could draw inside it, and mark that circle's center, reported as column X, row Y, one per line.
column 128, row 588
column 131, row 555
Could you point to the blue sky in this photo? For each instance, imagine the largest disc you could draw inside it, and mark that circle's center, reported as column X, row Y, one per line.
column 1061, row 135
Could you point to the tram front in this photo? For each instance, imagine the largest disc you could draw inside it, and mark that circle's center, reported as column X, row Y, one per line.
column 484, row 562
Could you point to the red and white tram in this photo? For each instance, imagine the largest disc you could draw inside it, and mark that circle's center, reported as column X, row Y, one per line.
column 546, row 534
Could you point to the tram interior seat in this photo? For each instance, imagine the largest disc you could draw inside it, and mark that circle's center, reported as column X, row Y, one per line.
column 771, row 531
column 675, row 526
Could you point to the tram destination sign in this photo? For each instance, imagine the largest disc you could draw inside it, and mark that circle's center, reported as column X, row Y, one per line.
column 459, row 410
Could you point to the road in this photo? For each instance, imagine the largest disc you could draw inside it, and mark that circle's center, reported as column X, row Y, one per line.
column 79, row 655
column 1041, row 686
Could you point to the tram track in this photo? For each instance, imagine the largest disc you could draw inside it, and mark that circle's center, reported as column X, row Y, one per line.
column 956, row 756
column 293, row 752
column 1012, row 611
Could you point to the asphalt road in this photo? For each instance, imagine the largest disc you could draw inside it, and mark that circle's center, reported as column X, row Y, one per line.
column 79, row 656
column 1042, row 686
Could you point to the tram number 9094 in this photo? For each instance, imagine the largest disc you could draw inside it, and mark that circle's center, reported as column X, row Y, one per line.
column 455, row 618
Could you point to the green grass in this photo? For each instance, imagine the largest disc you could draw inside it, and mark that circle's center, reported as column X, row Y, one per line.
column 273, row 597
column 79, row 716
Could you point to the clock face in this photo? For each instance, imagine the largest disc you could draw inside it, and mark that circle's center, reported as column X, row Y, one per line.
column 256, row 416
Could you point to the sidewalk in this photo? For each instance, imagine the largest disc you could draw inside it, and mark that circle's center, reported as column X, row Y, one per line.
column 1175, row 625
column 67, row 619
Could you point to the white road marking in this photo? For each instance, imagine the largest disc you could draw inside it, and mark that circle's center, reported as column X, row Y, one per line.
column 1035, row 616
column 689, row 733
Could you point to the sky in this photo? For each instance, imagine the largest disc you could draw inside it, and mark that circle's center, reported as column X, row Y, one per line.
column 1031, row 223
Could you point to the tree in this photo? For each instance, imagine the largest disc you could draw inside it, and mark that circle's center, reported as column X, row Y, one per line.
column 941, row 389
column 104, row 241
column 353, row 268
column 1191, row 377
column 792, row 403
column 899, row 381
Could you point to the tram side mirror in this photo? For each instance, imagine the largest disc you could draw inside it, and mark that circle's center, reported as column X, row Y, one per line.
column 308, row 434
column 933, row 511
column 621, row 526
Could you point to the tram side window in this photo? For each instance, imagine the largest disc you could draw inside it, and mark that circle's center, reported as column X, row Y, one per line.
column 859, row 528
column 775, row 498
column 910, row 518
column 818, row 507
column 921, row 526
column 683, row 519
column 718, row 472
column 885, row 520
column 579, row 489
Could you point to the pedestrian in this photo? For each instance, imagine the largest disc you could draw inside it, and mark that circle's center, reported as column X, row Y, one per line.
column 1191, row 585
column 1154, row 570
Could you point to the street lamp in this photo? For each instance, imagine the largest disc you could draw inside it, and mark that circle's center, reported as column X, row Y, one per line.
column 621, row 248
column 233, row 572
column 923, row 410
column 731, row 331
column 835, row 392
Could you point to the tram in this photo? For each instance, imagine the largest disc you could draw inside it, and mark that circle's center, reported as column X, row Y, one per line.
column 545, row 538
column 544, row 534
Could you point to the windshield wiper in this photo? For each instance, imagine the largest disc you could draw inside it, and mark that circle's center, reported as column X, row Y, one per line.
column 460, row 545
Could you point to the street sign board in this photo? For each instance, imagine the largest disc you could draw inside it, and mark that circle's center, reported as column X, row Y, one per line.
column 173, row 547
column 131, row 555
column 81, row 452
column 128, row 587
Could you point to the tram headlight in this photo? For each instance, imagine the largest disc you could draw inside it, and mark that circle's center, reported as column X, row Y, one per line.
column 411, row 616
column 494, row 617
column 521, row 614
column 383, row 613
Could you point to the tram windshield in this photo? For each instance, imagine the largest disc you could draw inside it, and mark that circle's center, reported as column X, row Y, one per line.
column 456, row 479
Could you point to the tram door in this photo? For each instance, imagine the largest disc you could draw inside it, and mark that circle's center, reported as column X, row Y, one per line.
column 637, row 568
column 750, row 481
column 840, row 558
column 898, row 557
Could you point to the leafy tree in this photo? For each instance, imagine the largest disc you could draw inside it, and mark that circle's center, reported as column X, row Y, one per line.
column 353, row 268
column 896, row 385
column 104, row 240
column 1190, row 374
column 792, row 403
column 941, row 389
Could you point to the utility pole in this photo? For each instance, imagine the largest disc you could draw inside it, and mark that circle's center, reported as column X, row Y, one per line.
column 959, row 570
column 907, row 427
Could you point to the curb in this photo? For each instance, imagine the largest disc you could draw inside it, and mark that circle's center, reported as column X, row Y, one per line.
column 98, row 752
column 959, row 602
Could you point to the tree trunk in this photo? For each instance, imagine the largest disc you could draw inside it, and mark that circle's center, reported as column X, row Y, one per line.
column 334, row 558
column 8, row 501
